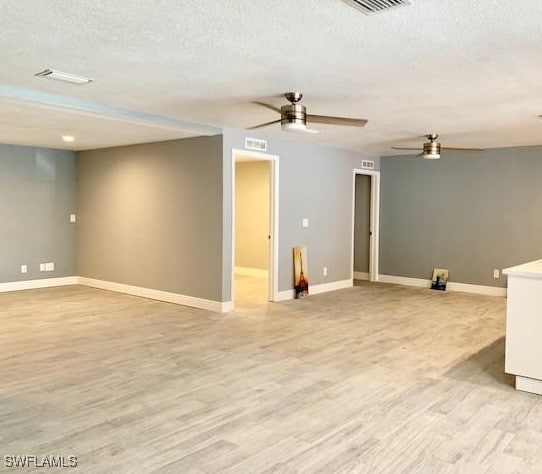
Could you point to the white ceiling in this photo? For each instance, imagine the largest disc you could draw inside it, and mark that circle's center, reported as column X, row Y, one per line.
column 467, row 69
column 28, row 124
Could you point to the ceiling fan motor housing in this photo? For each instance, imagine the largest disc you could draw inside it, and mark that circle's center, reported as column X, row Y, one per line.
column 431, row 150
column 293, row 116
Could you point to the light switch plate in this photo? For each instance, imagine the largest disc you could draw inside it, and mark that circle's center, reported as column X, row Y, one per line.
column 305, row 222
column 50, row 267
column 73, row 218
column 42, row 267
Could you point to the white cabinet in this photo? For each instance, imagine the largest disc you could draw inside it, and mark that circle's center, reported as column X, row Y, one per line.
column 524, row 326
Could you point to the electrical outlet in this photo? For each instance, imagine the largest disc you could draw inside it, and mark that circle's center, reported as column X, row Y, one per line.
column 73, row 218
column 496, row 273
column 24, row 269
column 50, row 267
column 42, row 267
column 324, row 272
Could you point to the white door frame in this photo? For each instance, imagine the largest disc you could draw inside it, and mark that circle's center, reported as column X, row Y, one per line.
column 273, row 291
column 374, row 225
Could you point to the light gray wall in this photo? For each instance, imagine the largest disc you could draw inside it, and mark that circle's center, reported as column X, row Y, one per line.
column 37, row 196
column 316, row 181
column 362, row 223
column 151, row 216
column 252, row 214
column 469, row 212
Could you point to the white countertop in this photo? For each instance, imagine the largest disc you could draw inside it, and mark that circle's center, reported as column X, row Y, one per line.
column 531, row 269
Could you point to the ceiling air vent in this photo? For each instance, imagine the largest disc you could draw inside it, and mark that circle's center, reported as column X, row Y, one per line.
column 370, row 7
column 63, row 76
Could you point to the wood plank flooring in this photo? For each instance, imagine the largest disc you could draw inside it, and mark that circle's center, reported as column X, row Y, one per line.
column 376, row 378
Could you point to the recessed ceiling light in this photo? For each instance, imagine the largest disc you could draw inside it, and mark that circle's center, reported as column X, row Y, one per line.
column 63, row 76
column 68, row 138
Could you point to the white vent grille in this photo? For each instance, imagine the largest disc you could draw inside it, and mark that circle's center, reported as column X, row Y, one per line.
column 255, row 144
column 368, row 164
column 370, row 7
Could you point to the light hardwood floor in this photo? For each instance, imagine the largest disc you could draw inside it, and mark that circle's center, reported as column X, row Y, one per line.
column 376, row 378
column 250, row 292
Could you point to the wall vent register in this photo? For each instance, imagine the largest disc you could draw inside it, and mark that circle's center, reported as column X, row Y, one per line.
column 255, row 144
column 370, row 7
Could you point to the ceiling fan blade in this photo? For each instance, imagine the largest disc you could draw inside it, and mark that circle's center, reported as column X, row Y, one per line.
column 461, row 149
column 263, row 125
column 349, row 122
column 267, row 106
column 403, row 148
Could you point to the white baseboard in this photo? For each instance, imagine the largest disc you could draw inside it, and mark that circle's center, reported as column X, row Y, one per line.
column 285, row 295
column 478, row 289
column 34, row 284
column 210, row 305
column 332, row 286
column 361, row 276
column 451, row 286
column 407, row 281
column 227, row 306
column 254, row 272
column 316, row 289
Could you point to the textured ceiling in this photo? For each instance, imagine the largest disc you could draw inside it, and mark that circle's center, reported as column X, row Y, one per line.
column 470, row 70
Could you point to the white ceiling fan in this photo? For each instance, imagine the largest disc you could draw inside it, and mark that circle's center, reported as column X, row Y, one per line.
column 294, row 117
column 432, row 149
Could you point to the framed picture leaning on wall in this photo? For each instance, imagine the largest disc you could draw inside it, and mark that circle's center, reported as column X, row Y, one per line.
column 440, row 279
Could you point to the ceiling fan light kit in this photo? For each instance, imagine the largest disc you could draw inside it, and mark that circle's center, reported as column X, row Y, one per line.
column 296, row 127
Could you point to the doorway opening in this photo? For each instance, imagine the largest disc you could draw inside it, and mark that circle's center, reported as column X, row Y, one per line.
column 254, row 228
column 365, row 225
column 362, row 227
